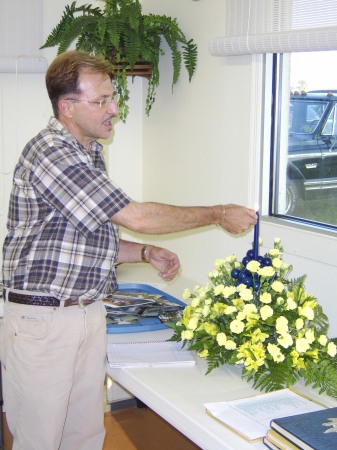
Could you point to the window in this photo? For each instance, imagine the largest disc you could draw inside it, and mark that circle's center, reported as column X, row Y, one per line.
column 304, row 138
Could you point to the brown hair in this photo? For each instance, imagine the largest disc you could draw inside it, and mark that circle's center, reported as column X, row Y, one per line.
column 63, row 73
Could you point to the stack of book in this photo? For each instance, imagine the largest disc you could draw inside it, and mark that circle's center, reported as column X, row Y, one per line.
column 316, row 430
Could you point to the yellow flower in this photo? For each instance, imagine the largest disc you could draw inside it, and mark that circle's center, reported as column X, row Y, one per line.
column 298, row 362
column 277, row 286
column 323, row 340
column 219, row 308
column 221, row 339
column 281, row 325
column 203, row 353
column 237, row 326
column 265, row 297
column 266, row 312
column 331, row 349
column 210, row 328
column 275, row 352
column 313, row 354
column 238, row 303
column 246, row 295
column 274, row 252
column 285, row 340
column 258, row 336
column 302, row 345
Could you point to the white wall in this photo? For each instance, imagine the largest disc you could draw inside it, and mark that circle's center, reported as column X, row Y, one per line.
column 195, row 148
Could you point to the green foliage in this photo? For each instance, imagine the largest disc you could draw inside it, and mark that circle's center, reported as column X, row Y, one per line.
column 323, row 376
column 133, row 37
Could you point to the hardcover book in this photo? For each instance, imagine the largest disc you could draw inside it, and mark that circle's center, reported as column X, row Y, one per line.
column 273, row 439
column 310, row 431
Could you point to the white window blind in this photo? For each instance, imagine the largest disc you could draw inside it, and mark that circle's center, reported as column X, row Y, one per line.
column 21, row 36
column 277, row 26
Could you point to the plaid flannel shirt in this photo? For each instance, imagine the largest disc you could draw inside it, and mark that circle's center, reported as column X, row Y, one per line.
column 60, row 240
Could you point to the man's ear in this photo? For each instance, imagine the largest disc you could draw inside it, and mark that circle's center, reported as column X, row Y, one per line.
column 65, row 107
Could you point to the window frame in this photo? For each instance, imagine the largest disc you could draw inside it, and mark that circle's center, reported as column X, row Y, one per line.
column 274, row 65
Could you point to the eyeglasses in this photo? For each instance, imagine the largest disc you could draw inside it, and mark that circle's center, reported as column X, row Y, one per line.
column 102, row 103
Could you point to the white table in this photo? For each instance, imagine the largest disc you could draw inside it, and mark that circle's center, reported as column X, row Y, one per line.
column 178, row 395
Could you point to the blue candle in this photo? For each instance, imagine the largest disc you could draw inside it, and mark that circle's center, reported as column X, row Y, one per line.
column 256, row 237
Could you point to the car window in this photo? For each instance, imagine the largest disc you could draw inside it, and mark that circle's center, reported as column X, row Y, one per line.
column 304, row 116
column 330, row 128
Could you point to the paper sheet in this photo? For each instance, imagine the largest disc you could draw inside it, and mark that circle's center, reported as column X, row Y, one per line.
column 145, row 354
column 251, row 416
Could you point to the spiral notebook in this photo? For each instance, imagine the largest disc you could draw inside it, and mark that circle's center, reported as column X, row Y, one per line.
column 147, row 354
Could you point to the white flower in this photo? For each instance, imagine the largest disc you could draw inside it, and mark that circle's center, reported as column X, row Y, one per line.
column 237, row 326
column 265, row 297
column 286, row 340
column 307, row 312
column 195, row 302
column 331, row 349
column 266, row 312
column 192, row 324
column 246, row 294
column 291, row 304
column 186, row 294
column 277, row 286
column 302, row 345
column 281, row 325
column 253, row 266
column 266, row 271
column 187, row 335
column 277, row 263
column 221, row 339
column 323, row 340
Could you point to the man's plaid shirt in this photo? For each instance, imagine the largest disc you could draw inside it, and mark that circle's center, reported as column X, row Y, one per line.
column 59, row 240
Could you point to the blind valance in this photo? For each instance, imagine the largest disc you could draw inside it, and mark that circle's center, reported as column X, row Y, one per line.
column 21, row 36
column 277, row 26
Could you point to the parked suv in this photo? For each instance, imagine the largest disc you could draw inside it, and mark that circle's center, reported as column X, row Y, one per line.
column 312, row 146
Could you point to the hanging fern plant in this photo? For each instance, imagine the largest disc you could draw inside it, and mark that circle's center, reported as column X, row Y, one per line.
column 129, row 40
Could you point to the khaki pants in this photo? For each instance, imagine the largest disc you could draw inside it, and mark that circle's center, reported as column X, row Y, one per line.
column 53, row 376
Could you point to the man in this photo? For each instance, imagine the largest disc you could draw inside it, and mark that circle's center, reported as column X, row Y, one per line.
column 59, row 257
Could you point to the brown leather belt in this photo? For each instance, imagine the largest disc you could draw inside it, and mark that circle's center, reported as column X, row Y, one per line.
column 39, row 300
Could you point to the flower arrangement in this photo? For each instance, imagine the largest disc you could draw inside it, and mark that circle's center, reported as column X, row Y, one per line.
column 251, row 314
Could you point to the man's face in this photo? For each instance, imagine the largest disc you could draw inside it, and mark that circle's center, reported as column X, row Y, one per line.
column 88, row 120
